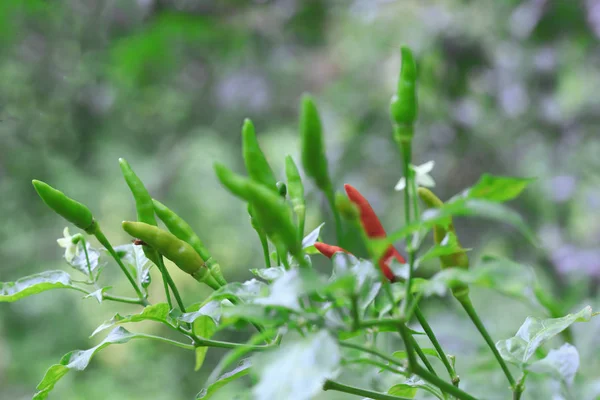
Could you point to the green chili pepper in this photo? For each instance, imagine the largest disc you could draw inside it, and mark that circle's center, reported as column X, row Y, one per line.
column 269, row 209
column 256, row 164
column 296, row 192
column 71, row 210
column 143, row 200
column 145, row 213
column 458, row 259
column 404, row 105
column 183, row 231
column 314, row 159
column 176, row 250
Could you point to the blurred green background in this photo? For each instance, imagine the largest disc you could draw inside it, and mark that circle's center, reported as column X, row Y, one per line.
column 506, row 87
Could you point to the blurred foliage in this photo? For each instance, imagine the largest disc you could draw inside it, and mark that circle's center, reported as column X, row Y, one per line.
column 506, row 87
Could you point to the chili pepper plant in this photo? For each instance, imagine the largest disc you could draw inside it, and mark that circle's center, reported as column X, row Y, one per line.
column 308, row 328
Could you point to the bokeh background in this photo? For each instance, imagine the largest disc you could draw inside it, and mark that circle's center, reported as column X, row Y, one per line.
column 507, row 87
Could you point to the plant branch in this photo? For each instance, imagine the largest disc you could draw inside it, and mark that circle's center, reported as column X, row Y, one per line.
column 339, row 387
column 429, row 332
column 339, row 231
column 171, row 283
column 373, row 351
column 465, row 301
column 104, row 242
column 426, row 375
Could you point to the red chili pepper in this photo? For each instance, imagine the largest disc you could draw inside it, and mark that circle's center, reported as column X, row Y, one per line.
column 328, row 250
column 374, row 229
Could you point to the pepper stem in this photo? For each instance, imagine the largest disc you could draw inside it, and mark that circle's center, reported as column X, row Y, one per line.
column 465, row 302
column 97, row 232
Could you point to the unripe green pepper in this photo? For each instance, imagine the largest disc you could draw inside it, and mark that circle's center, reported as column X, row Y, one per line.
column 458, row 259
column 183, row 231
column 178, row 251
column 312, row 145
column 404, row 106
column 256, row 163
column 143, row 200
column 71, row 210
column 268, row 208
column 296, row 192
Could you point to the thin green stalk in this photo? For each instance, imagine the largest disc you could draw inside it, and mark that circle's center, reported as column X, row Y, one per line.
column 301, row 215
column 201, row 342
column 119, row 299
column 164, row 340
column 375, row 363
column 265, row 246
column 161, row 267
column 355, row 314
column 520, row 388
column 422, row 356
column 465, row 301
column 405, row 148
column 171, row 283
column 87, row 257
column 426, row 375
column 373, row 351
column 429, row 332
column 104, row 242
column 142, row 302
column 339, row 387
column 339, row 231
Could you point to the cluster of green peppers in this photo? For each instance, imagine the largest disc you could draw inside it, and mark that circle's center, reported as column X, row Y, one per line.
column 266, row 197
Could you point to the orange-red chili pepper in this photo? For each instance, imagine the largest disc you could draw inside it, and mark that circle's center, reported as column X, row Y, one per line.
column 374, row 229
column 328, row 250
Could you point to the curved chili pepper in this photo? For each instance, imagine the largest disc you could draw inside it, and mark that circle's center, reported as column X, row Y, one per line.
column 183, row 231
column 374, row 229
column 269, row 209
column 176, row 250
column 256, row 163
column 312, row 145
column 71, row 210
column 404, row 105
column 328, row 250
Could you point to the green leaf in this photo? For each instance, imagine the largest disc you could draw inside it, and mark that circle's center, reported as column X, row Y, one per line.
column 268, row 274
column 241, row 370
column 409, row 388
column 79, row 262
column 310, row 239
column 561, row 364
column 98, row 294
column 428, row 351
column 448, row 246
column 289, row 287
column 139, row 265
column 458, row 206
column 78, row 360
column 498, row 188
column 244, row 291
column 203, row 327
column 499, row 274
column 34, row 284
column 156, row 312
column 403, row 390
column 534, row 332
column 298, row 369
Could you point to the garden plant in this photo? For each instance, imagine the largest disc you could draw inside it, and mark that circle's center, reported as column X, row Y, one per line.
column 307, row 326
